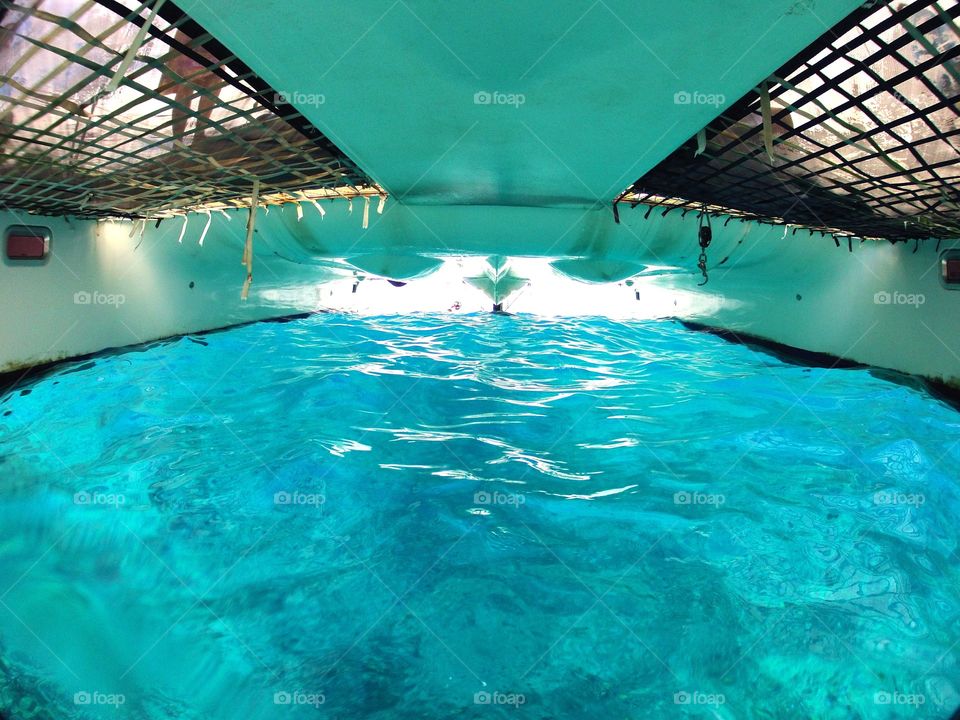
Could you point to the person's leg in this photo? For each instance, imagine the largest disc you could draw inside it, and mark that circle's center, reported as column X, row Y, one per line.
column 208, row 84
column 182, row 98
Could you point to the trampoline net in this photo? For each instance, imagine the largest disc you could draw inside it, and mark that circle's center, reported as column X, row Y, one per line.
column 107, row 109
column 858, row 135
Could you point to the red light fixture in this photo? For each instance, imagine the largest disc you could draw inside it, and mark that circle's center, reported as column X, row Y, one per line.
column 27, row 242
column 950, row 269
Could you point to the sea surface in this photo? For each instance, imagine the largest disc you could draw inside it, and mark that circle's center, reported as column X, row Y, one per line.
column 475, row 516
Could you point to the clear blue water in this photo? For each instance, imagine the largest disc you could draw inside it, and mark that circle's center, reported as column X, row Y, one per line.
column 478, row 516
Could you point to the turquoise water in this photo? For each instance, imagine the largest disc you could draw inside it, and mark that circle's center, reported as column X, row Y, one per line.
column 475, row 516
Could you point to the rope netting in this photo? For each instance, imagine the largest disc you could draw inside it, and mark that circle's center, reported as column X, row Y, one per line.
column 858, row 135
column 124, row 108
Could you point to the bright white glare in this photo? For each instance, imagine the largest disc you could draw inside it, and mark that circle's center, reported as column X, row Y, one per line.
column 548, row 294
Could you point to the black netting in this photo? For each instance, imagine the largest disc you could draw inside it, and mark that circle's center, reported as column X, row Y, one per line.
column 89, row 128
column 861, row 134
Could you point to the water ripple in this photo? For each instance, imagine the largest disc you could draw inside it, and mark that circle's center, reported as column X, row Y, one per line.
column 398, row 513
